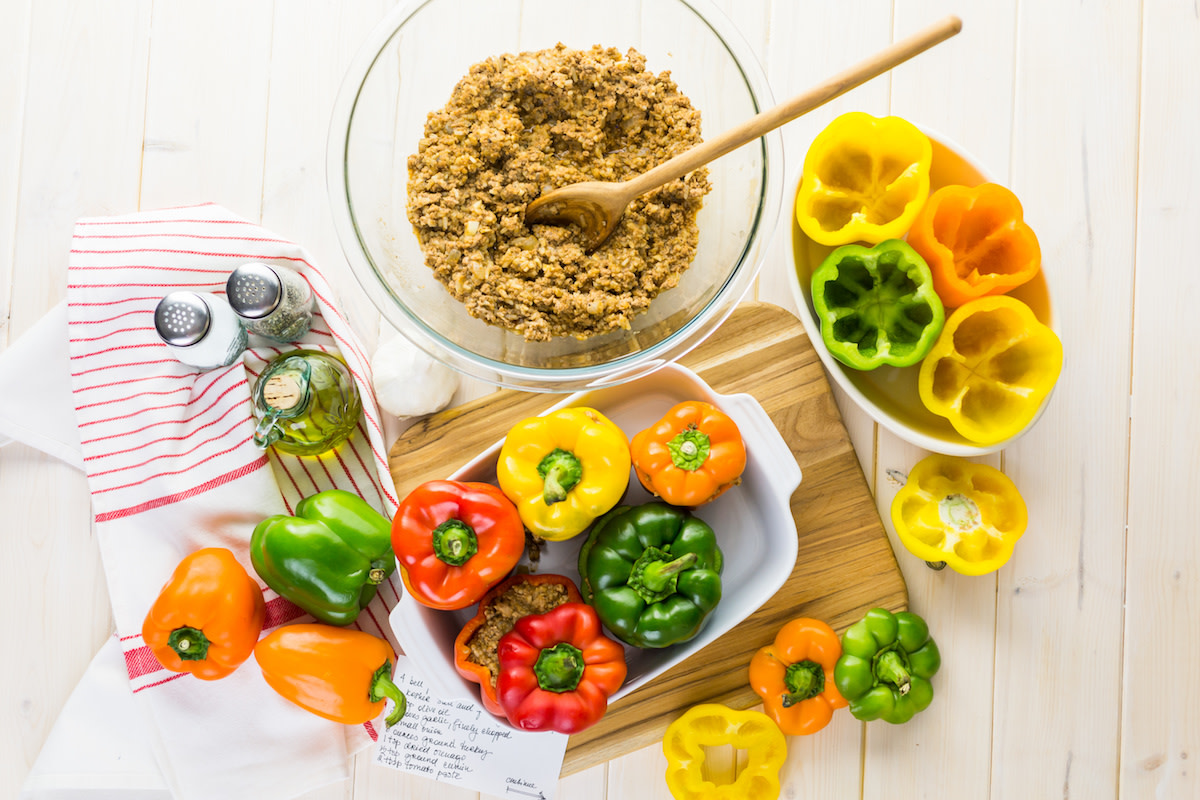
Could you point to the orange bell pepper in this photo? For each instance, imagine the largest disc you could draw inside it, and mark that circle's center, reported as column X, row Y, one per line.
column 794, row 676
column 336, row 673
column 499, row 596
column 207, row 617
column 976, row 242
column 691, row 455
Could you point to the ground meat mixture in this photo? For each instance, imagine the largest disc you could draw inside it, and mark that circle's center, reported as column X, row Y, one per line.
column 519, row 125
column 519, row 600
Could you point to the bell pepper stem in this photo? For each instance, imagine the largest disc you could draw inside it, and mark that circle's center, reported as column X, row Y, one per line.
column 689, row 449
column 454, row 542
column 559, row 668
column 377, row 573
column 803, row 680
column 190, row 644
column 382, row 686
column 658, row 574
column 560, row 471
column 890, row 668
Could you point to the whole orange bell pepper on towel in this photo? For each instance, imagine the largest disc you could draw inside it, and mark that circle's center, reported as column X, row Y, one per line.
column 337, row 673
column 207, row 617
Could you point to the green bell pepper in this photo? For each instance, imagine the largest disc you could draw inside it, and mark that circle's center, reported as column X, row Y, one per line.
column 329, row 558
column 887, row 661
column 877, row 305
column 652, row 572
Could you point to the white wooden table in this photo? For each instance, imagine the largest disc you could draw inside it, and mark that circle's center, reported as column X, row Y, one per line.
column 1072, row 672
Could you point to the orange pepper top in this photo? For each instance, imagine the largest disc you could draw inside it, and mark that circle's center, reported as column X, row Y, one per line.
column 207, row 617
column 976, row 242
column 794, row 676
column 691, row 455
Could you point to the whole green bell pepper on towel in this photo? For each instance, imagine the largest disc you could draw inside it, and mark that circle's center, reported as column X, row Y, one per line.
column 887, row 661
column 877, row 305
column 652, row 572
column 329, row 558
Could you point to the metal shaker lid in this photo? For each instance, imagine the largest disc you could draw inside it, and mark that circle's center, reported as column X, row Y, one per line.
column 254, row 290
column 182, row 318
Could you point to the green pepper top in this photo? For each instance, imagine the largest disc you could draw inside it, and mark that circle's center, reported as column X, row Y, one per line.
column 877, row 305
column 329, row 558
column 652, row 572
column 887, row 661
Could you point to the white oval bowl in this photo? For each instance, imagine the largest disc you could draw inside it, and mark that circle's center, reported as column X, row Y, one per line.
column 889, row 394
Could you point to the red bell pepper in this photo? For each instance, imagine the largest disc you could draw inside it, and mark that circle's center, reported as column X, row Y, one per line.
column 558, row 669
column 454, row 541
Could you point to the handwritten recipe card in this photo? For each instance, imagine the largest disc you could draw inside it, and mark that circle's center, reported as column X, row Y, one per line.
column 458, row 742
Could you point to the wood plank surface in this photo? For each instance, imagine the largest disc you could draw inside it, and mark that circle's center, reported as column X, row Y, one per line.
column 1065, row 675
column 844, row 564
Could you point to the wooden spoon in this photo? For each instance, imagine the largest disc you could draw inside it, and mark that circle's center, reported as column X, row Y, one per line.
column 597, row 206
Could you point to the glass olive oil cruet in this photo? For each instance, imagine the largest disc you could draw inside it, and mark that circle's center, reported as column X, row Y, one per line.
column 306, row 403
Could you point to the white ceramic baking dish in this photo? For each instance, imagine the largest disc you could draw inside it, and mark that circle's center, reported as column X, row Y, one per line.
column 753, row 523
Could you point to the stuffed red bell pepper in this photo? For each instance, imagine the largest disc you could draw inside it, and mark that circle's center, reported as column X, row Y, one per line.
column 557, row 670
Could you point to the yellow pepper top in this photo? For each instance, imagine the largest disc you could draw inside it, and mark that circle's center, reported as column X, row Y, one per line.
column 864, row 180
column 991, row 369
column 564, row 469
column 713, row 724
column 968, row 515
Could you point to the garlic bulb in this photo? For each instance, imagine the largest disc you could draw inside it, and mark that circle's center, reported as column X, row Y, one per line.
column 408, row 382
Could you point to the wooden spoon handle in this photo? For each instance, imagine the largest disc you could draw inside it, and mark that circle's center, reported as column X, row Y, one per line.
column 787, row 111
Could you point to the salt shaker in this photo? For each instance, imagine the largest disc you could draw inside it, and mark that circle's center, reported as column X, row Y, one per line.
column 200, row 329
column 275, row 302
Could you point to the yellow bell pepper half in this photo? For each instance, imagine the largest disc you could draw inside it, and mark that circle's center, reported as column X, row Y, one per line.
column 864, row 180
column 967, row 515
column 711, row 725
column 563, row 470
column 991, row 369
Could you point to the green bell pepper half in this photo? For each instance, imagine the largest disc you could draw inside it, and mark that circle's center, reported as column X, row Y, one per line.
column 887, row 661
column 877, row 305
column 329, row 558
column 652, row 572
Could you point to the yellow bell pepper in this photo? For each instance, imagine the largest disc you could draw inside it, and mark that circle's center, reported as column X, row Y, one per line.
column 967, row 515
column 991, row 369
column 711, row 725
column 864, row 179
column 564, row 469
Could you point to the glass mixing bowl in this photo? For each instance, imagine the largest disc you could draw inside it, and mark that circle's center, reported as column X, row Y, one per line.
column 408, row 68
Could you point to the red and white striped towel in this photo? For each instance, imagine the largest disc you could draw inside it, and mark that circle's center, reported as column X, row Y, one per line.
column 172, row 467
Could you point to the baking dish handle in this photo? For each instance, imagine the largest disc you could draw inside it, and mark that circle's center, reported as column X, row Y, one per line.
column 783, row 472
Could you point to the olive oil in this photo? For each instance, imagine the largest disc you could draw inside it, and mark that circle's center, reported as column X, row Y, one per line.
column 306, row 403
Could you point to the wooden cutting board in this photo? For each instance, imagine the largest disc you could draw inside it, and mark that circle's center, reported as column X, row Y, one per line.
column 845, row 564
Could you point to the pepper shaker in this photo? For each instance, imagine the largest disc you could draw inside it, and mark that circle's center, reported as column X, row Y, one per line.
column 200, row 329
column 275, row 302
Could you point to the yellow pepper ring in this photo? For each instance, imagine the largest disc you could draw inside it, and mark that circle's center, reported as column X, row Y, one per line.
column 712, row 725
column 991, row 368
column 864, row 179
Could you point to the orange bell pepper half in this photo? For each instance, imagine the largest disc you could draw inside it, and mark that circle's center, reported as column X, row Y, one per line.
column 690, row 456
column 794, row 676
column 482, row 673
column 336, row 673
column 207, row 617
column 454, row 541
column 976, row 242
